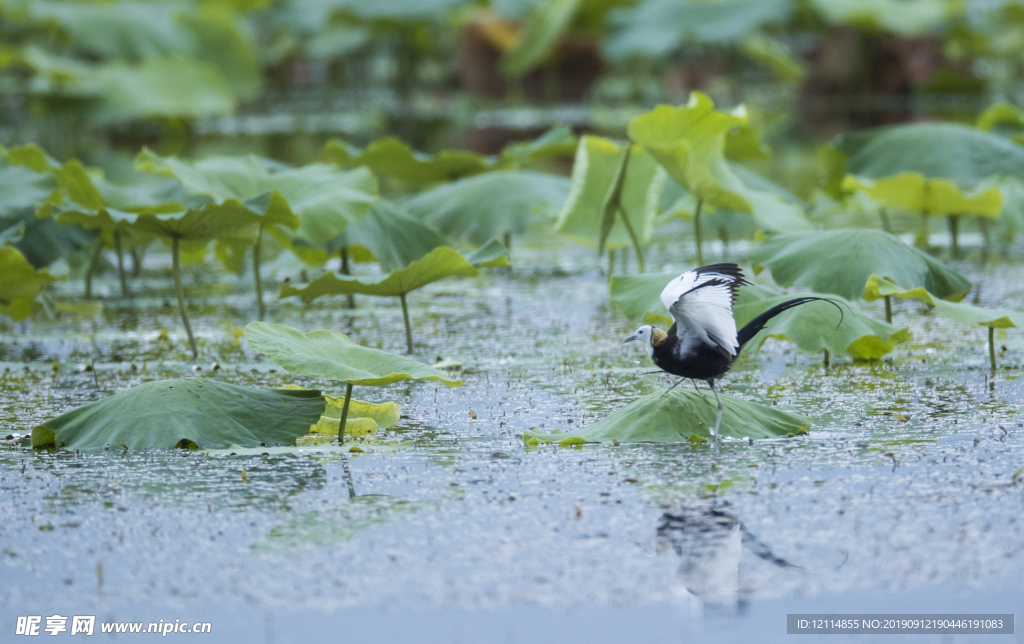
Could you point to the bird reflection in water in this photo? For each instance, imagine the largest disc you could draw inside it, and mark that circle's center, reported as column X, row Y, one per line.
column 710, row 540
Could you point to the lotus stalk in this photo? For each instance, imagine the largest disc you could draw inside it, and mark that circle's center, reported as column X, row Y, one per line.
column 344, row 413
column 256, row 274
column 408, row 326
column 350, row 299
column 992, row 347
column 888, row 309
column 120, row 264
column 954, row 237
column 176, row 270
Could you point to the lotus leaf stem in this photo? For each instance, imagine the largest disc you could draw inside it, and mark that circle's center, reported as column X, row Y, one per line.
column 986, row 237
column 176, row 270
column 507, row 240
column 696, row 231
column 408, row 326
column 633, row 238
column 992, row 347
column 348, row 477
column 611, row 262
column 256, row 274
column 120, row 264
column 954, row 237
column 350, row 298
column 888, row 309
column 883, row 214
column 136, row 262
column 344, row 413
column 723, row 234
column 826, row 359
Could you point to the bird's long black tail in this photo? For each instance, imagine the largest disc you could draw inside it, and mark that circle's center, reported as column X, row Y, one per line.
column 747, row 333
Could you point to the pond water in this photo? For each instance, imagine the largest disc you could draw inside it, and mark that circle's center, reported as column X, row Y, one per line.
column 902, row 498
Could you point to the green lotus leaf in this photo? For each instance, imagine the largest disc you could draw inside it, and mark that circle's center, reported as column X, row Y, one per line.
column 201, row 412
column 173, row 87
column 330, row 355
column 593, row 177
column 363, row 418
column 956, row 311
column 682, row 413
column 658, row 27
column 816, row 327
column 231, row 220
column 543, row 29
column 487, row 206
column 558, row 141
column 20, row 283
column 958, row 153
column 638, row 297
column 323, row 199
column 1005, row 120
column 392, row 236
column 436, row 265
column 915, row 193
column 689, row 142
column 1011, row 219
column 71, row 177
column 842, row 261
column 390, row 157
column 904, row 17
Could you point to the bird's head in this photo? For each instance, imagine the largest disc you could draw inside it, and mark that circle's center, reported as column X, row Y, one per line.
column 649, row 335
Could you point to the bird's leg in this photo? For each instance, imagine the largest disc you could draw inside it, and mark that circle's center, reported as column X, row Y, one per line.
column 714, row 433
column 648, row 373
column 673, row 387
column 696, row 389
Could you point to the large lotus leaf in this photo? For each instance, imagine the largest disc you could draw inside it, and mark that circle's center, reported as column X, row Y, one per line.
column 638, row 297
column 142, row 31
column 689, row 142
column 20, row 283
column 816, row 326
column 22, row 189
column 904, row 17
column 593, row 177
column 436, row 265
column 158, row 88
column 391, row 158
column 330, row 355
column 324, row 199
column 956, row 311
column 682, row 413
column 44, row 241
column 558, row 141
column 1011, row 219
column 316, row 13
column 961, row 154
column 657, row 27
column 231, row 220
column 539, row 36
column 168, row 413
column 842, row 261
column 393, row 237
column 915, row 193
column 485, row 207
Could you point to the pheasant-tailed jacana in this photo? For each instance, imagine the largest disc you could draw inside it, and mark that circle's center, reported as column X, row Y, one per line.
column 703, row 342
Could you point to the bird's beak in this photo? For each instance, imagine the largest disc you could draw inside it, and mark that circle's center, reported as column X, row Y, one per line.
column 629, row 339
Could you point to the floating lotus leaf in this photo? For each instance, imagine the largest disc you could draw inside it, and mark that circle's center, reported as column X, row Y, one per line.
column 364, row 418
column 391, row 158
column 1005, row 120
column 593, row 176
column 436, row 265
column 904, row 17
column 333, row 525
column 558, row 141
column 330, row 355
column 812, row 327
column 20, row 283
column 1011, row 219
column 488, row 206
column 841, row 261
column 815, row 326
column 915, row 193
column 199, row 412
column 682, row 413
column 958, row 153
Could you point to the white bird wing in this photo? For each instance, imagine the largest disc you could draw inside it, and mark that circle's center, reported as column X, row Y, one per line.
column 701, row 303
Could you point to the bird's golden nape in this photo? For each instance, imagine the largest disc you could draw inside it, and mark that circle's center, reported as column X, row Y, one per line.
column 658, row 337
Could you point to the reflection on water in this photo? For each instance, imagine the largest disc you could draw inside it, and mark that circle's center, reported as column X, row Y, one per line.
column 710, row 540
